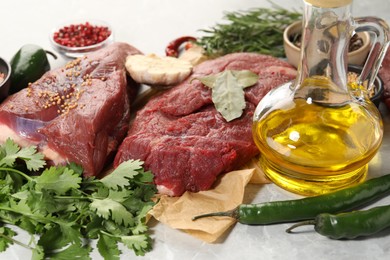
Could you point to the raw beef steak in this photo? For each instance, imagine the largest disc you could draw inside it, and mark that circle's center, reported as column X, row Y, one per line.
column 78, row 113
column 182, row 138
column 384, row 74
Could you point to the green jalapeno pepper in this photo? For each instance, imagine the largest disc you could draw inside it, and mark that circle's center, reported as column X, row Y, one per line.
column 28, row 65
column 309, row 207
column 349, row 225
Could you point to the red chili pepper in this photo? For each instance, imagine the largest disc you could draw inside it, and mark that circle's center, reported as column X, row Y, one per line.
column 173, row 47
column 80, row 35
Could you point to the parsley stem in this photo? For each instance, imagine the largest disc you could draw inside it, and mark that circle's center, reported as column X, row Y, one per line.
column 78, row 198
column 108, row 234
column 18, row 172
column 16, row 241
column 33, row 216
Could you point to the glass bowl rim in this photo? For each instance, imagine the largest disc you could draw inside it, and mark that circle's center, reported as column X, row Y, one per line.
column 81, row 48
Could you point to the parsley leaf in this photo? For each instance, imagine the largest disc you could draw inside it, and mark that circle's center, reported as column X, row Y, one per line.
column 139, row 243
column 38, row 253
column 11, row 151
column 5, row 238
column 110, row 209
column 107, row 247
column 72, row 251
column 140, row 228
column 119, row 177
column 59, row 179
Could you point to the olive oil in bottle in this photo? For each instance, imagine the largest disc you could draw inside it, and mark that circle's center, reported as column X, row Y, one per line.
column 313, row 149
column 315, row 134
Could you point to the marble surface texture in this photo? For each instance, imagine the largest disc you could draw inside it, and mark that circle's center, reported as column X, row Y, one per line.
column 149, row 25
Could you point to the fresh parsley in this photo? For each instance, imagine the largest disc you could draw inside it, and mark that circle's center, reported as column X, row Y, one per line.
column 68, row 210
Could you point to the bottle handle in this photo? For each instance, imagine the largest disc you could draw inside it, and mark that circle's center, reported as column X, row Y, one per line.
column 380, row 37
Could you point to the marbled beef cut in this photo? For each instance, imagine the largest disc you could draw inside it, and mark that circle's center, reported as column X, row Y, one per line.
column 78, row 113
column 384, row 74
column 184, row 141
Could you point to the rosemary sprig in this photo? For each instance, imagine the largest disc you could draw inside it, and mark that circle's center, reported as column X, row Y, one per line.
column 256, row 30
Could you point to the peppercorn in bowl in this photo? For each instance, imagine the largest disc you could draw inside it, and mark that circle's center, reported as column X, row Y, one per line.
column 375, row 93
column 358, row 48
column 5, row 74
column 77, row 38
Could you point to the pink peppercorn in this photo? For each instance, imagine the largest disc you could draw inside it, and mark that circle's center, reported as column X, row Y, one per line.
column 80, row 35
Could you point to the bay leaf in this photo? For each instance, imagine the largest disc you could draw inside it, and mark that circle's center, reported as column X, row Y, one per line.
column 209, row 80
column 245, row 78
column 227, row 91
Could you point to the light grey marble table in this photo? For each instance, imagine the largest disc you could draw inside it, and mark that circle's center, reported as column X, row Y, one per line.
column 149, row 25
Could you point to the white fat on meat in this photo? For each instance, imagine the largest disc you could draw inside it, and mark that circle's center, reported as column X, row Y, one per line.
column 164, row 190
column 50, row 154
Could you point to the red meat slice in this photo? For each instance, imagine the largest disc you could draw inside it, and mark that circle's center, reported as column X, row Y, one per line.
column 184, row 141
column 78, row 113
column 384, row 74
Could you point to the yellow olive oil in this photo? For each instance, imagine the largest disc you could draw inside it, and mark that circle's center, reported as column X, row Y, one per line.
column 310, row 149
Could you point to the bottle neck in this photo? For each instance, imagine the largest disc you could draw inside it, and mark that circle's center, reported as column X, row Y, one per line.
column 329, row 3
column 325, row 39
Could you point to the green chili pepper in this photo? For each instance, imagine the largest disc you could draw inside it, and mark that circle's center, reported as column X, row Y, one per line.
column 308, row 208
column 350, row 225
column 28, row 65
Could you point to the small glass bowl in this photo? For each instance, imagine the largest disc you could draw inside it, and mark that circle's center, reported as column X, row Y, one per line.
column 76, row 52
column 5, row 69
column 378, row 89
column 293, row 53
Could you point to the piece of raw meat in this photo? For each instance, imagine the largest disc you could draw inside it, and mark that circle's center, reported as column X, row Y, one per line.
column 384, row 74
column 78, row 113
column 182, row 138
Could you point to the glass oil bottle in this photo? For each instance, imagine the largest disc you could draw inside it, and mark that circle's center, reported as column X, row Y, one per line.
column 316, row 134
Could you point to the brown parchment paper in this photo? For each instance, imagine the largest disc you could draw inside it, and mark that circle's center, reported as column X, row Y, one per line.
column 228, row 193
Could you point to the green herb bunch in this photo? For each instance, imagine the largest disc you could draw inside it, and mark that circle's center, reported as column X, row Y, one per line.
column 256, row 30
column 68, row 211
